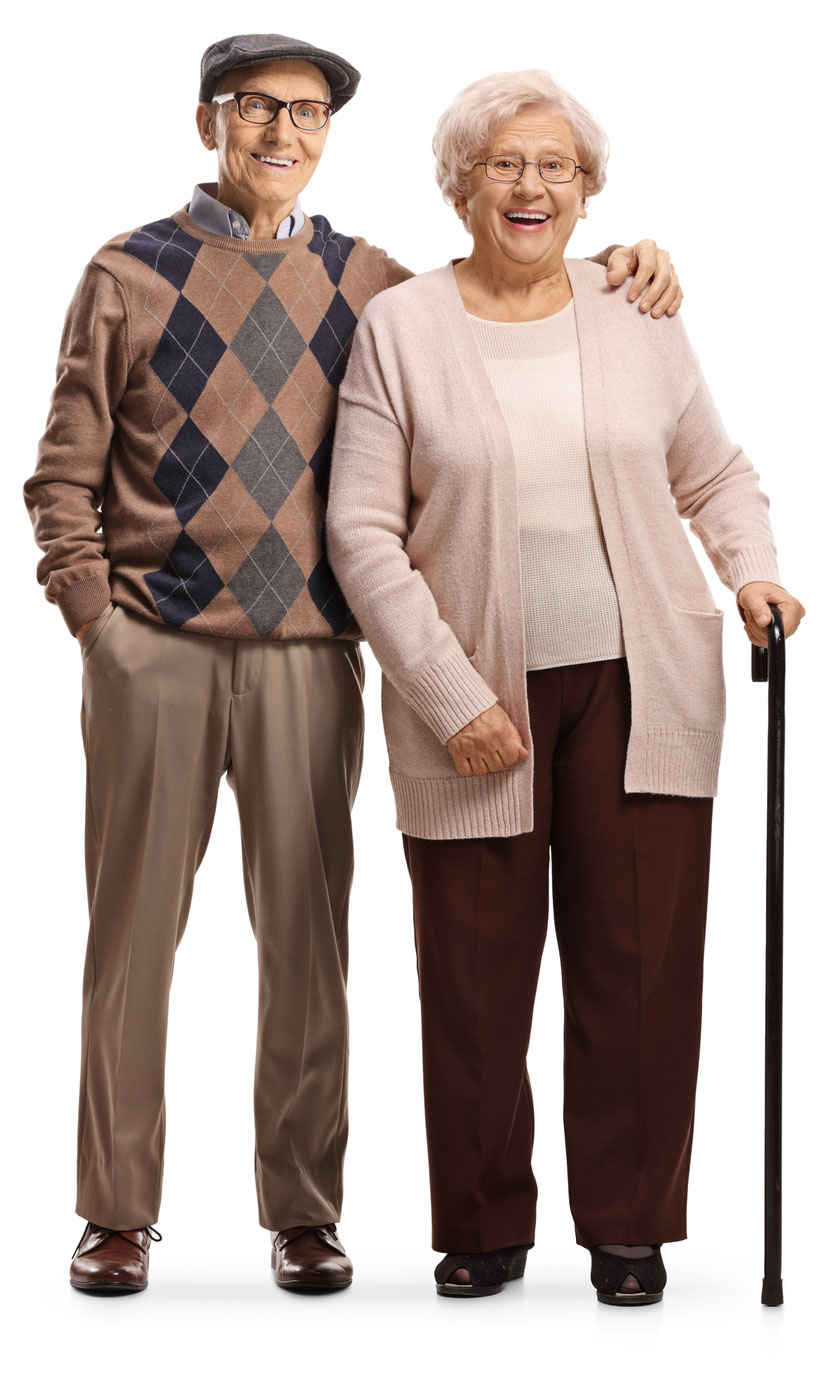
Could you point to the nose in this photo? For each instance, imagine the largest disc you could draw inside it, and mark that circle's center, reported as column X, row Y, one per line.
column 529, row 182
column 282, row 129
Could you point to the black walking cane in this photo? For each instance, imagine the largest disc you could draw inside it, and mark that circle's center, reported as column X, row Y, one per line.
column 768, row 665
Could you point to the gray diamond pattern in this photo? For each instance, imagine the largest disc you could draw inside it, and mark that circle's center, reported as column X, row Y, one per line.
column 270, row 464
column 266, row 598
column 268, row 344
column 265, row 263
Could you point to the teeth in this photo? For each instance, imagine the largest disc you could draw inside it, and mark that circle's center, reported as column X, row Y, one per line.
column 277, row 162
column 526, row 215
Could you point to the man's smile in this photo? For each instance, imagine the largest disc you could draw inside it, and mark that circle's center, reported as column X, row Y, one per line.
column 271, row 160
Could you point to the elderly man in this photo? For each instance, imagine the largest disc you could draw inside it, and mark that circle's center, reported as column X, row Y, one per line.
column 179, row 498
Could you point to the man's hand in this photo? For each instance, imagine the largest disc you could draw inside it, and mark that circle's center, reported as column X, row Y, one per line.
column 651, row 265
column 753, row 603
column 487, row 744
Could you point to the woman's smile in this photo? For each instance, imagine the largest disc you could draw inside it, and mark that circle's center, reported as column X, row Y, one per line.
column 527, row 221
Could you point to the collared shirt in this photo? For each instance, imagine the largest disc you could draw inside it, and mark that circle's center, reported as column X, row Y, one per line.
column 218, row 218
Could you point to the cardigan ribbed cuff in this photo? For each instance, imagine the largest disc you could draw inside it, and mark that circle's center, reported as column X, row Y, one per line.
column 84, row 600
column 753, row 566
column 449, row 694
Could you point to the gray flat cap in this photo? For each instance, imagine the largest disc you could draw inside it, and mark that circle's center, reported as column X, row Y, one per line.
column 243, row 49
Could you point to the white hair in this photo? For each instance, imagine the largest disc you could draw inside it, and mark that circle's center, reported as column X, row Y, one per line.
column 473, row 119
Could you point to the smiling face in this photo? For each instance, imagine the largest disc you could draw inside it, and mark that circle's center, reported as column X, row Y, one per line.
column 262, row 168
column 526, row 223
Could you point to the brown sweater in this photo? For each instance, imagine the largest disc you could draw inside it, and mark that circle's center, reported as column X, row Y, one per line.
column 185, row 463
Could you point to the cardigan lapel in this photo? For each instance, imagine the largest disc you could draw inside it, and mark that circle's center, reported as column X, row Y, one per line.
column 495, row 436
column 587, row 286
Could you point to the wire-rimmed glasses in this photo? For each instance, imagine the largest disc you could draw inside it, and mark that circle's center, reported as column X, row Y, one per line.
column 258, row 108
column 504, row 167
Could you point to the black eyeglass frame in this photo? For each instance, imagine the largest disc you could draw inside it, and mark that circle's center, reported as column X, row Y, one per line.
column 237, row 96
column 484, row 163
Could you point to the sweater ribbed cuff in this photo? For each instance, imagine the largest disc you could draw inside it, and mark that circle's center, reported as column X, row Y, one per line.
column 84, row 600
column 753, row 566
column 449, row 694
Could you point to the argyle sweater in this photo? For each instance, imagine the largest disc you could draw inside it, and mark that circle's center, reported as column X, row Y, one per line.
column 184, row 467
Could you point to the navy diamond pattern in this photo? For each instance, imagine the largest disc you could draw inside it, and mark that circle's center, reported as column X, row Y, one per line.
column 326, row 594
column 330, row 341
column 270, row 462
column 320, row 463
column 333, row 249
column 185, row 584
column 166, row 248
column 267, row 582
column 268, row 344
column 187, row 353
column 189, row 471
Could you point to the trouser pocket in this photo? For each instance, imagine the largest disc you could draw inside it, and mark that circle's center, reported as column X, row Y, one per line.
column 96, row 629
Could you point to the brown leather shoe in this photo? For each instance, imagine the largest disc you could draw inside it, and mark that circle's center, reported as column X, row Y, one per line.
column 112, row 1260
column 311, row 1258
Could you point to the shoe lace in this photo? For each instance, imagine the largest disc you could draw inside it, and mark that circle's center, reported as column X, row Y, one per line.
column 152, row 1233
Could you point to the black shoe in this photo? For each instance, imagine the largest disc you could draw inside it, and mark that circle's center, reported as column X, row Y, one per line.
column 488, row 1272
column 609, row 1271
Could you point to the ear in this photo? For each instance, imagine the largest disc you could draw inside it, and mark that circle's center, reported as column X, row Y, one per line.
column 461, row 208
column 205, row 125
column 583, row 214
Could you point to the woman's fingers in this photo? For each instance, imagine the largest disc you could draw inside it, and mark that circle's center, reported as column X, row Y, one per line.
column 758, row 617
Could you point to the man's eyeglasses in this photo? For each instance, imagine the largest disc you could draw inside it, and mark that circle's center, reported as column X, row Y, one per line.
column 258, row 108
column 503, row 168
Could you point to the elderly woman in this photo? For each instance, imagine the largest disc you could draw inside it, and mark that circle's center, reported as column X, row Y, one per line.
column 515, row 449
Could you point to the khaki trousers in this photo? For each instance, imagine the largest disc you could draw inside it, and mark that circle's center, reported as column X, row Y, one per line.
column 629, row 879
column 165, row 714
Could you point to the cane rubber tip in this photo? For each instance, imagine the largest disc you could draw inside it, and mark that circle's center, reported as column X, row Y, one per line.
column 772, row 1292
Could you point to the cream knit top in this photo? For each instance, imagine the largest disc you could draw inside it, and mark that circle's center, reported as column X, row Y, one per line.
column 571, row 612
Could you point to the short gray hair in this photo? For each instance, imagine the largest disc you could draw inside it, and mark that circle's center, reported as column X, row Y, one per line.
column 475, row 116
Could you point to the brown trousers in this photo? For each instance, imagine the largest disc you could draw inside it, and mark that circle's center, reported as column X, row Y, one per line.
column 630, row 876
column 165, row 714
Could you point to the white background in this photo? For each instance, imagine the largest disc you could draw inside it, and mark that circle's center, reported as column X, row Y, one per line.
column 720, row 135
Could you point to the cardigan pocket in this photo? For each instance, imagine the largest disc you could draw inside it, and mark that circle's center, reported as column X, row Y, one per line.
column 695, row 687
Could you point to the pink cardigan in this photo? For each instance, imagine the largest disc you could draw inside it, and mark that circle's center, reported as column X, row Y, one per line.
column 422, row 535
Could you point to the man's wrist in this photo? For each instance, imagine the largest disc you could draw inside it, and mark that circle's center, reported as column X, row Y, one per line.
column 83, row 601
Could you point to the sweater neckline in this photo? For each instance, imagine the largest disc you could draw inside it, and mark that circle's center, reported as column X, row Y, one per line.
column 521, row 324
column 293, row 244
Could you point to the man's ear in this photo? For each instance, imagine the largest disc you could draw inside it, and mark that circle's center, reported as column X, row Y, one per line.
column 205, row 125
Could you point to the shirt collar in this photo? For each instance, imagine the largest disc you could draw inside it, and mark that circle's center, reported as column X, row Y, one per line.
column 217, row 218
